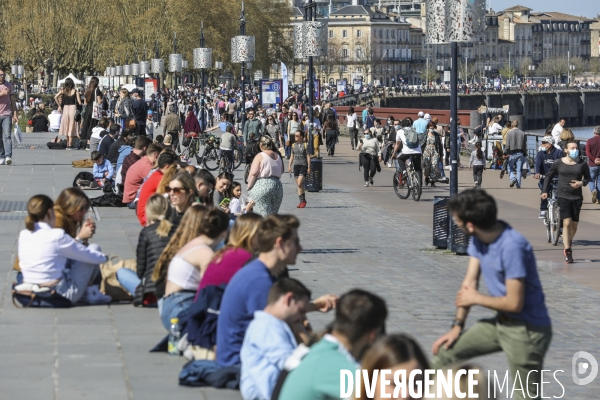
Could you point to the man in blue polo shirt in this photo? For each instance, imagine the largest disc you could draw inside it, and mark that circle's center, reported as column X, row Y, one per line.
column 248, row 290
column 521, row 328
column 420, row 125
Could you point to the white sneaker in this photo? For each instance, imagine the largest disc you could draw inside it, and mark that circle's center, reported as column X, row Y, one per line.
column 447, row 168
column 8, row 160
column 367, row 184
column 94, row 297
column 1, row 161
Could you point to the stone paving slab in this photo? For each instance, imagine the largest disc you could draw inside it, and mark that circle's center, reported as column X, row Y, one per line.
column 102, row 352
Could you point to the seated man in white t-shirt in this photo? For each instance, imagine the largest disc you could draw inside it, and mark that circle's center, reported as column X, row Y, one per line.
column 403, row 152
column 55, row 117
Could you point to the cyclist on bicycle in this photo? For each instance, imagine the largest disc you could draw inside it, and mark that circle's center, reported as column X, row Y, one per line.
column 543, row 162
column 228, row 145
column 408, row 149
column 573, row 173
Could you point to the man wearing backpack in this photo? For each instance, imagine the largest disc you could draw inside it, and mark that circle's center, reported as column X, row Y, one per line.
column 407, row 142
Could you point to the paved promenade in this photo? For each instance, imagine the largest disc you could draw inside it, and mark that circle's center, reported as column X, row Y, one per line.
column 353, row 237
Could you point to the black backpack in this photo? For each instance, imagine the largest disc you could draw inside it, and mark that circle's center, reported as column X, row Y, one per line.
column 84, row 176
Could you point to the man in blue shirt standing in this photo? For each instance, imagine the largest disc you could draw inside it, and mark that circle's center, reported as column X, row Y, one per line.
column 521, row 328
column 248, row 290
column 270, row 339
column 420, row 125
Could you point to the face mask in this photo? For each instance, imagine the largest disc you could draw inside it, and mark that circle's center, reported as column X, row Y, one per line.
column 397, row 127
column 431, row 130
column 541, row 149
column 573, row 154
column 367, row 136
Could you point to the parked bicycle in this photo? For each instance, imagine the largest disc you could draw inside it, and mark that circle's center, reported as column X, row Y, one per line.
column 552, row 219
column 407, row 183
column 190, row 147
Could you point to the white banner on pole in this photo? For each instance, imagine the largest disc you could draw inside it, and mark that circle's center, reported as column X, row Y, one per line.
column 284, row 77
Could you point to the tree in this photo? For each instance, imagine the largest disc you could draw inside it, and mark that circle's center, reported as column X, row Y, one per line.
column 594, row 67
column 428, row 73
column 523, row 68
column 507, row 71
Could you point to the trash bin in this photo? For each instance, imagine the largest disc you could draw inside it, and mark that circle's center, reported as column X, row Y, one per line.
column 314, row 180
column 442, row 223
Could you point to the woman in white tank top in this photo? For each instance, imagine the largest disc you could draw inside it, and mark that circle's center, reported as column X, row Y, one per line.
column 185, row 259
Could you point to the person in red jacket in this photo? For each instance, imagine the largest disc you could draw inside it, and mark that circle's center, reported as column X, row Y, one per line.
column 167, row 164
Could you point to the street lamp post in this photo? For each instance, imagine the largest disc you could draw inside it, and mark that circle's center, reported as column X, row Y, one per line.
column 175, row 65
column 242, row 51
column 202, row 60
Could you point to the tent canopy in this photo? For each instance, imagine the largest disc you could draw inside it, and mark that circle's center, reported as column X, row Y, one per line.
column 75, row 80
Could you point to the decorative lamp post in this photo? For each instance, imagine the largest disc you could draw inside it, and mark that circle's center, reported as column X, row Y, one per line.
column 242, row 51
column 310, row 40
column 175, row 63
column 135, row 67
column 453, row 21
column 202, row 60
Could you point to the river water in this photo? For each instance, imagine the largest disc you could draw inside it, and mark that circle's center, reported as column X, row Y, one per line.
column 584, row 132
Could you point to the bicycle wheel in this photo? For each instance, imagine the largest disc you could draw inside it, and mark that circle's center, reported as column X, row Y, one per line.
column 211, row 159
column 238, row 155
column 555, row 224
column 247, row 172
column 547, row 225
column 401, row 186
column 416, row 187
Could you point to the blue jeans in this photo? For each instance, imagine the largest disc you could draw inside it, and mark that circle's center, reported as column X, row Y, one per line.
column 5, row 133
column 175, row 305
column 128, row 279
column 595, row 177
column 515, row 161
column 77, row 277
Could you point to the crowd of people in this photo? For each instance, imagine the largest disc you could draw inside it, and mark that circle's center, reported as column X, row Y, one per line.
column 243, row 319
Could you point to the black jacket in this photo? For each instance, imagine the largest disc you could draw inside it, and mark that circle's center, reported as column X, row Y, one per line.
column 140, row 111
column 113, row 151
column 105, row 145
column 40, row 123
column 149, row 248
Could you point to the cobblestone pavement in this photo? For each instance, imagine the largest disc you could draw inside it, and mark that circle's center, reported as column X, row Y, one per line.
column 102, row 352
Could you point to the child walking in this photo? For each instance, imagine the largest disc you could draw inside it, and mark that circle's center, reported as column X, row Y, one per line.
column 300, row 160
column 477, row 162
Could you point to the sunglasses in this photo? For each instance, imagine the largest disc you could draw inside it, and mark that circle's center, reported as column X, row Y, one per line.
column 174, row 190
column 2, row 75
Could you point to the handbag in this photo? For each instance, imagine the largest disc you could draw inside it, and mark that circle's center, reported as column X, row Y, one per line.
column 110, row 285
column 27, row 295
column 18, row 134
column 95, row 108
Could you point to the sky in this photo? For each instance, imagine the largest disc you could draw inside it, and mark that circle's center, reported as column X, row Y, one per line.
column 586, row 8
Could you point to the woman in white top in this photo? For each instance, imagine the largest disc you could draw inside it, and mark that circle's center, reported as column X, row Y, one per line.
column 495, row 128
column 264, row 185
column 44, row 251
column 184, row 260
column 370, row 154
column 352, row 124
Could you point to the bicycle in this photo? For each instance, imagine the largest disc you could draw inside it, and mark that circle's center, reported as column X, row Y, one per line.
column 552, row 219
column 190, row 148
column 211, row 156
column 408, row 183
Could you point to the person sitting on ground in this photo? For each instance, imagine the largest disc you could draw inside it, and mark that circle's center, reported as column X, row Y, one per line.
column 103, row 170
column 237, row 206
column 70, row 208
column 270, row 339
column 359, row 319
column 182, row 193
column 205, row 184
column 223, row 183
column 113, row 152
column 168, row 142
column 55, row 119
column 188, row 260
column 44, row 253
column 241, row 246
column 247, row 292
column 159, row 139
column 125, row 150
column 397, row 352
column 40, row 121
column 98, row 132
column 167, row 166
column 153, row 239
column 108, row 140
column 133, row 176
column 138, row 151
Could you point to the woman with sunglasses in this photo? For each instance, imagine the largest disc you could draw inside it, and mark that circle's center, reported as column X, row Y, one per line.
column 300, row 160
column 182, row 193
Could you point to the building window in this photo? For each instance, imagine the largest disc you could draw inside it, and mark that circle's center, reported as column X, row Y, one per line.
column 344, row 53
column 331, row 33
column 358, row 33
column 344, row 33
